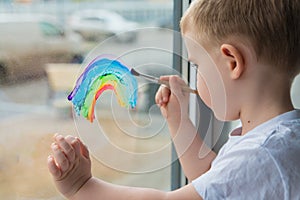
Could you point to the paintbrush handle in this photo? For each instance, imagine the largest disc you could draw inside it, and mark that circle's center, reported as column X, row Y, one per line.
column 184, row 88
column 157, row 80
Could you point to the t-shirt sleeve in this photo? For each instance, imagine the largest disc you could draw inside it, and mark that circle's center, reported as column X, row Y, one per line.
column 244, row 174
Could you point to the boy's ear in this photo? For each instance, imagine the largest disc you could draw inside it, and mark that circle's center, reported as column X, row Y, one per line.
column 234, row 60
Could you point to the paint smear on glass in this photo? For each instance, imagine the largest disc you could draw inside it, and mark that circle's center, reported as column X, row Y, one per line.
column 100, row 75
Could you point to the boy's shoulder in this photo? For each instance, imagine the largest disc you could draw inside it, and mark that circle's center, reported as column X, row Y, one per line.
column 265, row 158
column 283, row 145
column 285, row 132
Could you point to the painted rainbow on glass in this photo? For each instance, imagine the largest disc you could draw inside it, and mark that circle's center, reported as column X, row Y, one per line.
column 103, row 74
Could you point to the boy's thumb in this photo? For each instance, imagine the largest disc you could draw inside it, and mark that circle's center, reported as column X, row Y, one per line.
column 176, row 86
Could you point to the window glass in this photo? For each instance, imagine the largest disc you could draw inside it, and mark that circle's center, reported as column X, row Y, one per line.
column 128, row 146
column 50, row 30
column 295, row 92
column 93, row 19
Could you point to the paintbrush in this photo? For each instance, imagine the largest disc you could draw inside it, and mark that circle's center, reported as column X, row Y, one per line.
column 158, row 81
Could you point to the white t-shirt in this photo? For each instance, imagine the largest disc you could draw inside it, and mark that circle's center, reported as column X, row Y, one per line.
column 263, row 164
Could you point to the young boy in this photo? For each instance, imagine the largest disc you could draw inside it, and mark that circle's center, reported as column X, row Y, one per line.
column 255, row 46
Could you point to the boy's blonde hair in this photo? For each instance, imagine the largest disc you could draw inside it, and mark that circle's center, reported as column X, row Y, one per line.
column 272, row 27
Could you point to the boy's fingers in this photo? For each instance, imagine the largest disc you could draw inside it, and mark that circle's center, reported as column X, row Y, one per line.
column 158, row 96
column 54, row 170
column 84, row 149
column 66, row 147
column 165, row 92
column 162, row 95
column 164, row 78
column 70, row 139
column 176, row 84
column 60, row 158
column 76, row 145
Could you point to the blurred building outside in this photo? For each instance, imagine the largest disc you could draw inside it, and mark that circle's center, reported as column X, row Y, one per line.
column 151, row 12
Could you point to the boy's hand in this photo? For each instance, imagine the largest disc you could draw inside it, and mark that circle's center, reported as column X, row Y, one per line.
column 173, row 101
column 70, row 164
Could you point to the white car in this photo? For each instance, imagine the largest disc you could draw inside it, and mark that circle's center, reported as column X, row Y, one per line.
column 28, row 42
column 95, row 25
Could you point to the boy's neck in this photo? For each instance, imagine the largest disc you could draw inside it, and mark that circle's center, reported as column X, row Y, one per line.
column 250, row 122
column 268, row 98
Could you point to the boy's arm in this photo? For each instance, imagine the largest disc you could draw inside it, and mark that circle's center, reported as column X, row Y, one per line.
column 70, row 167
column 195, row 157
column 96, row 189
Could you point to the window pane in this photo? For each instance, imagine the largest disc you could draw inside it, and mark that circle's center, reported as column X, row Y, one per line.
column 50, row 29
column 296, row 92
column 37, row 72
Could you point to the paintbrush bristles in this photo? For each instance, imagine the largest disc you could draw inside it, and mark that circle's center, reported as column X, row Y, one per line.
column 133, row 72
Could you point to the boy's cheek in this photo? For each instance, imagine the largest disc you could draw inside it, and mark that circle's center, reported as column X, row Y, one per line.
column 203, row 91
column 213, row 93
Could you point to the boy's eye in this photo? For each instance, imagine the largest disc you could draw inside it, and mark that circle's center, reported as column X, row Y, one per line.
column 193, row 65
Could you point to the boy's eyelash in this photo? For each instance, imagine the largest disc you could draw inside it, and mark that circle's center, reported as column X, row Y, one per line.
column 194, row 65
